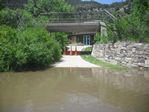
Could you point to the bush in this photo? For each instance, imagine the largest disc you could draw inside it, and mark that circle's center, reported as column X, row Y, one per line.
column 7, row 42
column 38, row 48
column 16, row 18
column 29, row 49
column 100, row 39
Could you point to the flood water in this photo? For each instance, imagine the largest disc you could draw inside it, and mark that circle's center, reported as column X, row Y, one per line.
column 74, row 90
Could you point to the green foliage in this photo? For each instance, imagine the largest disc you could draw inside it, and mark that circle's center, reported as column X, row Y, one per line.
column 127, row 29
column 97, row 37
column 28, row 49
column 61, row 38
column 36, row 7
column 15, row 18
column 25, row 45
column 100, row 39
column 133, row 27
column 20, row 19
column 24, row 42
column 40, row 21
column 1, row 4
column 7, row 42
column 140, row 7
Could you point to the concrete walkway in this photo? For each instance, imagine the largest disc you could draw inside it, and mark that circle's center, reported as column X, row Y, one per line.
column 73, row 61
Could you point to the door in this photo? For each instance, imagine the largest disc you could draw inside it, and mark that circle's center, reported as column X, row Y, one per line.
column 86, row 39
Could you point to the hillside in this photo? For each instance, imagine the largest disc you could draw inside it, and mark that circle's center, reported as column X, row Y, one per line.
column 73, row 2
column 118, row 8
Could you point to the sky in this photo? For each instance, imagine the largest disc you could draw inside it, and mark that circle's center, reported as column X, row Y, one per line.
column 108, row 1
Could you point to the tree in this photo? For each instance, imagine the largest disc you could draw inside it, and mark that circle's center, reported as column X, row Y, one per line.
column 140, row 7
column 36, row 7
column 15, row 18
column 141, row 12
column 135, row 26
column 1, row 4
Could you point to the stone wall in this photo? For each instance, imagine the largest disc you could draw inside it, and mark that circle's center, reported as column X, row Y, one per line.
column 123, row 53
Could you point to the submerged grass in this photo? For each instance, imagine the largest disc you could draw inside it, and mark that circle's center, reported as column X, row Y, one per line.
column 102, row 63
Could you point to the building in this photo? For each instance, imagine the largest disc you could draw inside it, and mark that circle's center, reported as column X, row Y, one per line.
column 82, row 39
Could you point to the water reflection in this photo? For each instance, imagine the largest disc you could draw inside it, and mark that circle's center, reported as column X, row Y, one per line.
column 74, row 90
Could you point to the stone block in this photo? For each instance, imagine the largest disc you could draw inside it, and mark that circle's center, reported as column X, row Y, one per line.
column 147, row 63
column 128, row 59
column 141, row 64
column 114, row 62
column 101, row 53
column 117, row 58
column 133, row 50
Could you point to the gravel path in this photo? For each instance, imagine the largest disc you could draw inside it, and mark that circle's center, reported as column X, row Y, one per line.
column 73, row 61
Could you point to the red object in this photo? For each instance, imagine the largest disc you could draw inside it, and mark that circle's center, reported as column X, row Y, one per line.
column 76, row 52
column 70, row 53
column 64, row 53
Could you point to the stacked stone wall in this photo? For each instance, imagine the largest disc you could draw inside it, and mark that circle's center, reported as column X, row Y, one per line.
column 123, row 53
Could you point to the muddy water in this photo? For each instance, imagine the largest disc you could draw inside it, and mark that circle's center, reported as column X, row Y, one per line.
column 74, row 90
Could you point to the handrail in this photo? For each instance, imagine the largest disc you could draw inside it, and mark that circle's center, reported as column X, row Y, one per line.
column 79, row 16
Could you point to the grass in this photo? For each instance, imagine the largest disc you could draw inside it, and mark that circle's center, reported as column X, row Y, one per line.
column 101, row 63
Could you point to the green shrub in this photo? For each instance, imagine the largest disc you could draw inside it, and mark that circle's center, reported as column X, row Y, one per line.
column 100, row 39
column 39, row 49
column 29, row 49
column 7, row 44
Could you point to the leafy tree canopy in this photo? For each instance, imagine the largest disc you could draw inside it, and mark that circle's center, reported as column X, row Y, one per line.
column 36, row 7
